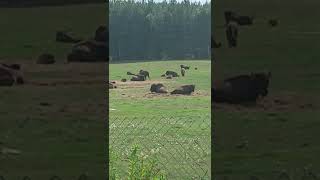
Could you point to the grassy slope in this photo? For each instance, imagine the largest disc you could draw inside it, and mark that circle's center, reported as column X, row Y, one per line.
column 189, row 116
column 37, row 27
column 274, row 140
column 167, row 106
column 67, row 137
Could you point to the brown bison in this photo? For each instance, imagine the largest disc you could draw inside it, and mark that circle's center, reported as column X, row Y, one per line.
column 232, row 34
column 89, row 51
column 10, row 75
column 101, row 34
column 144, row 73
column 242, row 88
column 183, row 71
column 184, row 66
column 158, row 88
column 66, row 37
column 172, row 73
column 138, row 78
column 185, row 90
column 240, row 20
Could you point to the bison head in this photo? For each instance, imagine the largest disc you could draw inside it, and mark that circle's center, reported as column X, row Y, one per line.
column 261, row 82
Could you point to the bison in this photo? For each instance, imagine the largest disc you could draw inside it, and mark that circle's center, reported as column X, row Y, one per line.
column 240, row 20
column 9, row 75
column 138, row 78
column 184, row 66
column 183, row 71
column 158, row 88
column 144, row 73
column 185, row 90
column 172, row 73
column 66, row 37
column 242, row 88
column 232, row 34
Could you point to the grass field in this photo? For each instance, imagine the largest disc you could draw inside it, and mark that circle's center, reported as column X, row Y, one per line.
column 179, row 124
column 57, row 118
column 283, row 135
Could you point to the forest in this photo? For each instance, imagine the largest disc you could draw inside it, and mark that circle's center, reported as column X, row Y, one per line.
column 147, row 30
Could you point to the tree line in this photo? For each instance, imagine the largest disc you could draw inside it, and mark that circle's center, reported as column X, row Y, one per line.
column 147, row 30
column 32, row 3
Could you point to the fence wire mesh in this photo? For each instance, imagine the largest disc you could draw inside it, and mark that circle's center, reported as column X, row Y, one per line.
column 181, row 145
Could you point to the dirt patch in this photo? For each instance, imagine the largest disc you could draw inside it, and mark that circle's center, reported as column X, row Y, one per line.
column 65, row 83
column 135, row 84
column 279, row 102
column 196, row 93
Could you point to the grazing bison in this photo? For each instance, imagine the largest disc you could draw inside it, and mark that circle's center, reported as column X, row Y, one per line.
column 232, row 34
column 172, row 73
column 158, row 88
column 66, row 37
column 242, row 88
column 46, row 59
column 184, row 66
column 144, row 73
column 240, row 20
column 138, row 78
column 183, row 71
column 185, row 90
column 9, row 75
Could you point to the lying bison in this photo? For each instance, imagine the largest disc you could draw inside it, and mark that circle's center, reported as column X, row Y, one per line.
column 10, row 75
column 66, row 37
column 89, row 51
column 242, row 88
column 138, row 77
column 172, row 73
column 158, row 88
column 185, row 90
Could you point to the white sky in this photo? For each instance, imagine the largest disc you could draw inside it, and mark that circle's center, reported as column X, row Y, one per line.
column 202, row 1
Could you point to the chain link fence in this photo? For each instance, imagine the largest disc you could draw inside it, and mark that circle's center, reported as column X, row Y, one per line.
column 181, row 145
column 81, row 177
column 300, row 174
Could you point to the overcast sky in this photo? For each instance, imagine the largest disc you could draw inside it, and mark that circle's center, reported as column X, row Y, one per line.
column 202, row 1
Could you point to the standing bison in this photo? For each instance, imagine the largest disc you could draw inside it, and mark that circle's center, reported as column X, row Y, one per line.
column 242, row 88
column 232, row 34
column 144, row 73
